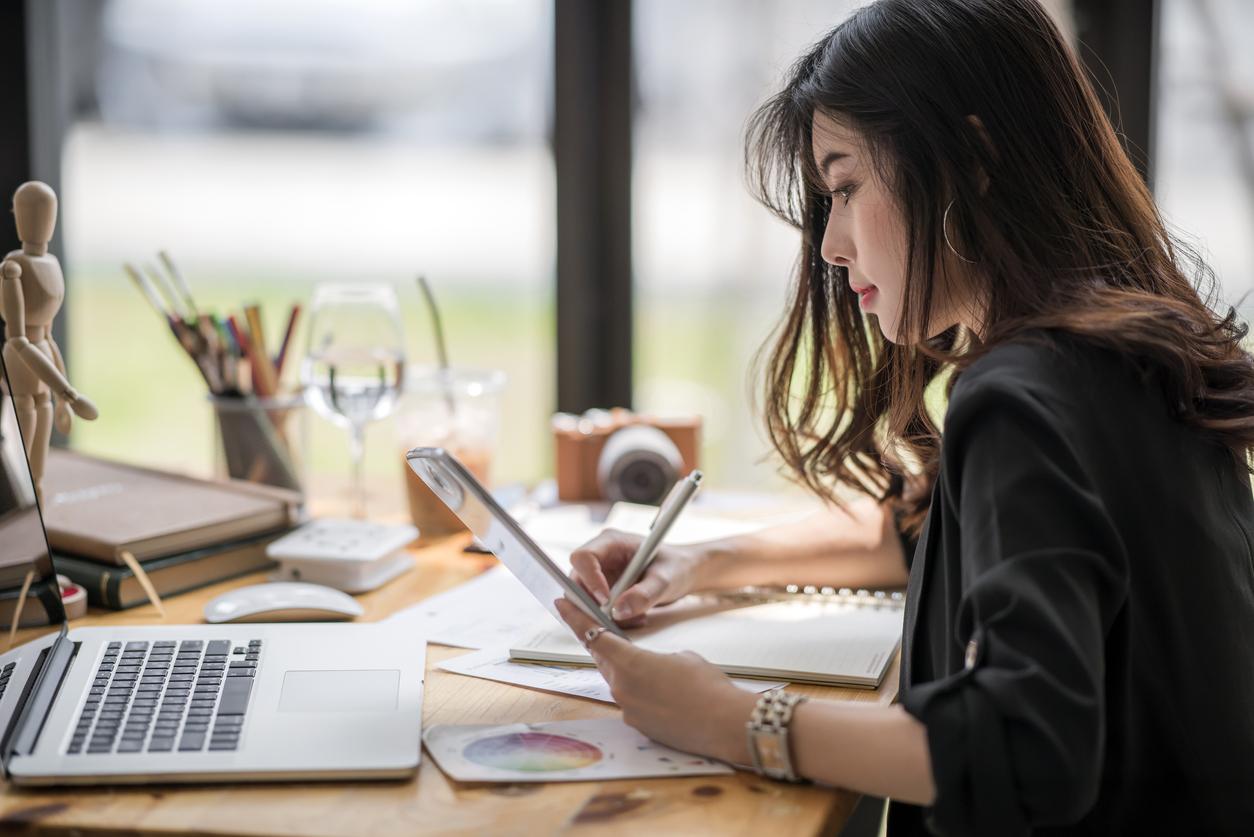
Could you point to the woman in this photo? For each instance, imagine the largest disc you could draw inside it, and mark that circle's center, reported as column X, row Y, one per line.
column 1076, row 649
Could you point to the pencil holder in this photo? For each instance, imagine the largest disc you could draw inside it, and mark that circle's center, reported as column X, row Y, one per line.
column 261, row 439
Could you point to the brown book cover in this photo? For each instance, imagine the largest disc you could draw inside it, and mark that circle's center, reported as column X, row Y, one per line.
column 97, row 509
column 117, row 587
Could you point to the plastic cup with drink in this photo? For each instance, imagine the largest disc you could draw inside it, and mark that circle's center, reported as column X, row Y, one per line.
column 458, row 409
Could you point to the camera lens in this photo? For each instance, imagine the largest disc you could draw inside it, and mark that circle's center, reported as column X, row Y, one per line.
column 638, row 464
column 442, row 486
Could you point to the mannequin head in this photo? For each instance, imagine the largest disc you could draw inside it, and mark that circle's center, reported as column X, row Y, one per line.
column 35, row 210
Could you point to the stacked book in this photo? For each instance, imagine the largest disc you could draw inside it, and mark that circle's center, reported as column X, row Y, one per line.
column 183, row 532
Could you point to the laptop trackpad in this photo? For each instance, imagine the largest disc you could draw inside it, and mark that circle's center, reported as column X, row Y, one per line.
column 339, row 691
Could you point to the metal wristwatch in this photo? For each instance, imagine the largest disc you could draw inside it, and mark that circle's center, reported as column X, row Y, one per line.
column 767, row 730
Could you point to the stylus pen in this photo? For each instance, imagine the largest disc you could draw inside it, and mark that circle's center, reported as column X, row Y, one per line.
column 639, row 562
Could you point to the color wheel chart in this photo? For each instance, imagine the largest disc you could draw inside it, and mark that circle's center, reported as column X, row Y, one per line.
column 557, row 751
column 532, row 752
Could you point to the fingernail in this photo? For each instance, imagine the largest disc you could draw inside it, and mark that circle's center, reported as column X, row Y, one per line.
column 602, row 598
column 623, row 612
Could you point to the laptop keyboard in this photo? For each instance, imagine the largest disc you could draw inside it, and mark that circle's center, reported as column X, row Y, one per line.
column 5, row 674
column 167, row 696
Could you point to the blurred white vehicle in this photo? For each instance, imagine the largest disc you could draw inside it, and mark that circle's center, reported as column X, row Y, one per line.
column 439, row 69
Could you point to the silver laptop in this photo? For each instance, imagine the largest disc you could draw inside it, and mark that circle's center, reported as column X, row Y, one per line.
column 188, row 703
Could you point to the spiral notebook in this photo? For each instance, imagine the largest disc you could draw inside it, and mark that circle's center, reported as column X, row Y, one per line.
column 832, row 638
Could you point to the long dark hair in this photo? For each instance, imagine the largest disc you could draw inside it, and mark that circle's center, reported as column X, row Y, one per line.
column 1065, row 233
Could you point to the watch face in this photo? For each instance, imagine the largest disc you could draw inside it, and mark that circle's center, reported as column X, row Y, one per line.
column 770, row 747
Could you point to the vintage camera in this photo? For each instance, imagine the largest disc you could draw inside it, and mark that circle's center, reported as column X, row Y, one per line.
column 619, row 455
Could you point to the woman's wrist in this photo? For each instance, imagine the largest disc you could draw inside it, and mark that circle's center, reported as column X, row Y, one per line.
column 730, row 744
column 712, row 565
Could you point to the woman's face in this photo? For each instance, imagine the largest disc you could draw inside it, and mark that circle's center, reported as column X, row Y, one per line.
column 866, row 230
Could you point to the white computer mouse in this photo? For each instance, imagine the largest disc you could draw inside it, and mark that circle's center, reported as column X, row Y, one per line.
column 282, row 601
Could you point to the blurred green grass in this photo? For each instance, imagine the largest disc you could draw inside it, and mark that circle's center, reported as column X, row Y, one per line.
column 153, row 402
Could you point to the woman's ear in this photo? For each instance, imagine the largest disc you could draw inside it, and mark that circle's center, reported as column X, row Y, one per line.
column 981, row 134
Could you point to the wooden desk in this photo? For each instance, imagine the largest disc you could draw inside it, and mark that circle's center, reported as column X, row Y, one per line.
column 739, row 804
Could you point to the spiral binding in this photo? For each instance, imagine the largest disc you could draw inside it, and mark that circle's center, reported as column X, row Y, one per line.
column 811, row 594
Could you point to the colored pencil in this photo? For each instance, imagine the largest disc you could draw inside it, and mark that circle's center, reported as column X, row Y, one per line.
column 287, row 339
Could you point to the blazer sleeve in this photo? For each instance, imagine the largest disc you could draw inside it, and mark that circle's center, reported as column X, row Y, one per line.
column 1016, row 735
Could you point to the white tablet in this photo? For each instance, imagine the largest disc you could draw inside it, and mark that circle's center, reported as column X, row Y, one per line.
column 500, row 534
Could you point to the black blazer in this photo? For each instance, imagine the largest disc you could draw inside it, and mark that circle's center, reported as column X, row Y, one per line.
column 1079, row 627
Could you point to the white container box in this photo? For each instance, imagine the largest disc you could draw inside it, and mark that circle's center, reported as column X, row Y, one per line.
column 349, row 555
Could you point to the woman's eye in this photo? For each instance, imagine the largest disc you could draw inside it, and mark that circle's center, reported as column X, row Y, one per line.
column 843, row 193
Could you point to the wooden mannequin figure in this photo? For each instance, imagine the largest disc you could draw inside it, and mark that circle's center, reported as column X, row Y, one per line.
column 33, row 288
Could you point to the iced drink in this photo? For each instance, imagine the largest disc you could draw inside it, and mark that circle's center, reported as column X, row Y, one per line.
column 459, row 412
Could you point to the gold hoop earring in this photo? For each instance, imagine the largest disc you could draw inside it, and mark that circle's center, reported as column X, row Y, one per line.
column 945, row 232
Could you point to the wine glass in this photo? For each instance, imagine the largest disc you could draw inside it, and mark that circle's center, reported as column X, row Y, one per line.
column 355, row 363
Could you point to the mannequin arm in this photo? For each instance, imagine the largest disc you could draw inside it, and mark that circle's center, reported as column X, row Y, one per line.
column 42, row 366
column 62, row 419
column 12, row 300
column 56, row 357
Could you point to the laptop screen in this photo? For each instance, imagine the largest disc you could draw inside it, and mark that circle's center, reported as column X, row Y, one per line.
column 25, row 562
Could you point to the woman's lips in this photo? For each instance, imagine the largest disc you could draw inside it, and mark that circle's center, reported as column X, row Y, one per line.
column 865, row 296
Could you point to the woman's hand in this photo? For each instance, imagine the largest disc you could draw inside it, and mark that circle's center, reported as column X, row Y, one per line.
column 598, row 564
column 678, row 700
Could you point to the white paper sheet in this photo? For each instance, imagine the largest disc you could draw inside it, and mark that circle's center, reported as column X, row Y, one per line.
column 490, row 609
column 805, row 641
column 694, row 525
column 494, row 664
column 558, row 751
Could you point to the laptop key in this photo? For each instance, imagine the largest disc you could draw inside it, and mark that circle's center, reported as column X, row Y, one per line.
column 195, row 741
column 235, row 694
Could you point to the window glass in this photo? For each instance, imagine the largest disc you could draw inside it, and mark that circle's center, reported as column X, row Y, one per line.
column 1204, row 154
column 269, row 147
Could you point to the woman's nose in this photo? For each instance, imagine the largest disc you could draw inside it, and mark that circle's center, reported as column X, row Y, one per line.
column 836, row 249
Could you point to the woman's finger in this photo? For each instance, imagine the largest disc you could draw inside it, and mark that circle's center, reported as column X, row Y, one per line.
column 605, row 647
column 611, row 650
column 578, row 621
column 587, row 571
column 638, row 598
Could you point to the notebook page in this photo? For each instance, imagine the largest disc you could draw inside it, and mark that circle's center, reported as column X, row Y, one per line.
column 797, row 640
